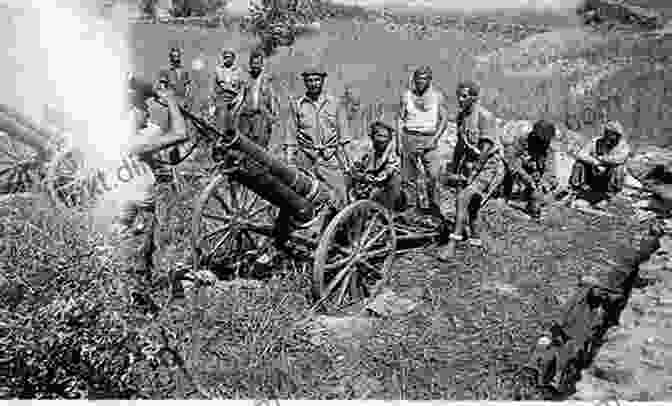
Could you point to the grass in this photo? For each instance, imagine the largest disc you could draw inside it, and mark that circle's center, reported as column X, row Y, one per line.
column 477, row 317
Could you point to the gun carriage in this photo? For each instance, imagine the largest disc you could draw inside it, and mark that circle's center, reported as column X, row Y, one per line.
column 254, row 202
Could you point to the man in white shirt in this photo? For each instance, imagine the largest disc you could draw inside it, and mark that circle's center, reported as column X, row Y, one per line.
column 422, row 121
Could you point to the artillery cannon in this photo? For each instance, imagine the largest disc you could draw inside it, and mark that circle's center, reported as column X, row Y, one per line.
column 26, row 148
column 236, row 219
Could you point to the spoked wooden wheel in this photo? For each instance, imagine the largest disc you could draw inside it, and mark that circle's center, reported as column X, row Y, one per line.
column 20, row 167
column 69, row 183
column 230, row 225
column 354, row 255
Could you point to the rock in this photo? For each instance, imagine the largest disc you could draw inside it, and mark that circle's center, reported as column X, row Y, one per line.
column 619, row 11
column 338, row 330
column 664, row 193
column 665, row 244
column 389, row 303
column 12, row 292
column 657, row 267
column 651, row 162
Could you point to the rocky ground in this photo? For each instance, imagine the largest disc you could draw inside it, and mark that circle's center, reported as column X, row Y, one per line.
column 635, row 362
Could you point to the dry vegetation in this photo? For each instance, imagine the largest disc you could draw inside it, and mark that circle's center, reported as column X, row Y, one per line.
column 76, row 322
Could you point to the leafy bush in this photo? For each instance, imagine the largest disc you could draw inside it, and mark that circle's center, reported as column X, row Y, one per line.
column 73, row 327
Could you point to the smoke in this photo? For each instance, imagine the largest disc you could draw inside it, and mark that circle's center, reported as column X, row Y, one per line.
column 64, row 54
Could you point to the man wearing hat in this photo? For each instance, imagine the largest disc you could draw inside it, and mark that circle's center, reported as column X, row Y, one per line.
column 377, row 176
column 149, row 140
column 316, row 133
column 422, row 121
column 529, row 161
column 600, row 165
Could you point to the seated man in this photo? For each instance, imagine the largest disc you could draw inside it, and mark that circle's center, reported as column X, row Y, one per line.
column 530, row 163
column 486, row 178
column 377, row 175
column 600, row 165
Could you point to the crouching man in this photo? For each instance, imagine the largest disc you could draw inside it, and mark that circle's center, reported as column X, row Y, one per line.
column 377, row 175
column 530, row 164
column 600, row 165
column 149, row 139
column 485, row 180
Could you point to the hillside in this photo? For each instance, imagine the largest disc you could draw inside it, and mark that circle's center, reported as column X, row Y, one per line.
column 79, row 322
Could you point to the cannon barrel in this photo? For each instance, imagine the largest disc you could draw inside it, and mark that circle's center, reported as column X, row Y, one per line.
column 48, row 134
column 26, row 135
column 279, row 184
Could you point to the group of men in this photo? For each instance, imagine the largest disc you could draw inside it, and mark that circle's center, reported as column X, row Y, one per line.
column 486, row 161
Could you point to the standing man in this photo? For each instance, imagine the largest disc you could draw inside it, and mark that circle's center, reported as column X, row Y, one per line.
column 227, row 71
column 317, row 133
column 148, row 141
column 473, row 122
column 260, row 109
column 177, row 78
column 422, row 121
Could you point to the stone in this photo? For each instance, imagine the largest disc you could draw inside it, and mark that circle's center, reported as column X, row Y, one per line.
column 338, row 330
column 656, row 266
column 643, row 163
column 665, row 244
column 389, row 303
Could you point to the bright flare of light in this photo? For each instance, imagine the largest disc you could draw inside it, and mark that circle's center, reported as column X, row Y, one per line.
column 87, row 63
column 64, row 54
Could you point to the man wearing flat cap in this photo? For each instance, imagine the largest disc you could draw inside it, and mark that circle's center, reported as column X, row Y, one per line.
column 316, row 133
column 600, row 165
column 422, row 121
column 377, row 174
